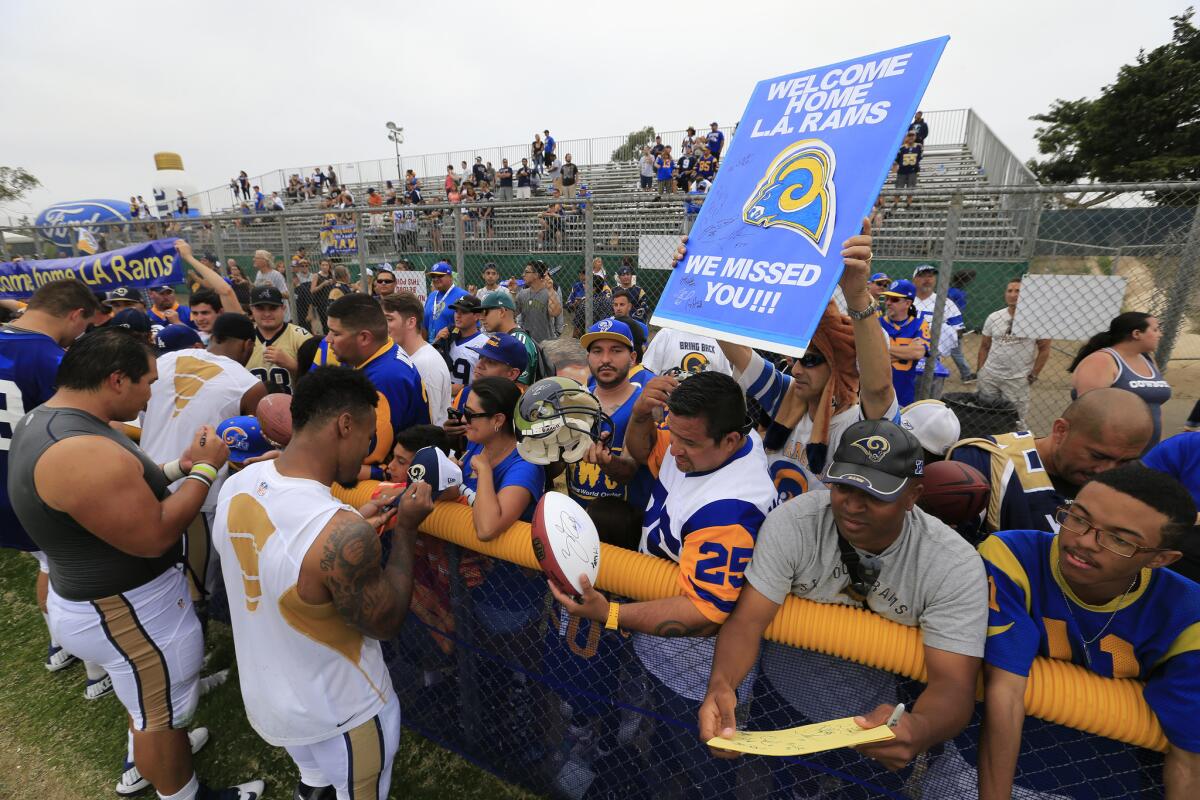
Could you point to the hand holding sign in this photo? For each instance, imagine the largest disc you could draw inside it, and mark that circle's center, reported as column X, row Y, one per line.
column 813, row 151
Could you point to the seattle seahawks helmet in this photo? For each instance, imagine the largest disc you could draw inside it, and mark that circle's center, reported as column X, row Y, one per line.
column 557, row 420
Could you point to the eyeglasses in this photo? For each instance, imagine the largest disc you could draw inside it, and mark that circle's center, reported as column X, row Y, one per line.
column 810, row 360
column 1073, row 523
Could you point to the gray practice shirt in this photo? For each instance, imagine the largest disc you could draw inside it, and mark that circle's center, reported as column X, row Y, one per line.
column 534, row 308
column 929, row 577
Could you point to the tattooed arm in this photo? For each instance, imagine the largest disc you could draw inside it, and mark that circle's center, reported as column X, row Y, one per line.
column 669, row 616
column 368, row 596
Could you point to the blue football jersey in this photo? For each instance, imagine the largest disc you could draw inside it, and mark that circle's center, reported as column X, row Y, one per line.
column 1023, row 496
column 586, row 482
column 402, row 400
column 904, row 377
column 1153, row 634
column 28, row 368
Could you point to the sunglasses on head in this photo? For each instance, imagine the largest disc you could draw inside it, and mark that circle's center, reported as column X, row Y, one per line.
column 810, row 360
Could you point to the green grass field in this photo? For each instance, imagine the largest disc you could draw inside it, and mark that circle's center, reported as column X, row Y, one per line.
column 54, row 744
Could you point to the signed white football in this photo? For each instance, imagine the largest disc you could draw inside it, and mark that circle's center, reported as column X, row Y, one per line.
column 565, row 542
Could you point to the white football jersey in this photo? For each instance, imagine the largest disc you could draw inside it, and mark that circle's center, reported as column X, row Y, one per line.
column 194, row 388
column 463, row 358
column 306, row 675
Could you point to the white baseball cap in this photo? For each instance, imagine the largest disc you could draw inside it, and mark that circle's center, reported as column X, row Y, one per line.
column 933, row 423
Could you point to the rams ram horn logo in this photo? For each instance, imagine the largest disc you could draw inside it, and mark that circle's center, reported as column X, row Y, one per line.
column 236, row 438
column 416, row 472
column 875, row 447
column 796, row 193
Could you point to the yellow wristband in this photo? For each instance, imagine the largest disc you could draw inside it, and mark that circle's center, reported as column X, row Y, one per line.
column 614, row 611
column 207, row 470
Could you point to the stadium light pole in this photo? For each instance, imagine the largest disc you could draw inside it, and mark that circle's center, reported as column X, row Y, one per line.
column 396, row 134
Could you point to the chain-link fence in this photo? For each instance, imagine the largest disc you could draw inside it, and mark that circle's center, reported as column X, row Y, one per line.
column 1084, row 253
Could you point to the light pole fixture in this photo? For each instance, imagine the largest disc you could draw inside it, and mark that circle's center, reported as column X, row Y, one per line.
column 396, row 135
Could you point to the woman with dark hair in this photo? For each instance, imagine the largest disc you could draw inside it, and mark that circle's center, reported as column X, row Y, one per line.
column 501, row 486
column 1122, row 357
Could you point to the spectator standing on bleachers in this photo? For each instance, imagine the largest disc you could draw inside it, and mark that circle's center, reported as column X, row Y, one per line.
column 685, row 169
column 1009, row 365
column 332, row 177
column 244, row 183
column 451, row 182
column 919, row 128
column 552, row 223
column 550, row 145
column 523, row 172
column 569, row 173
column 664, row 166
column 689, row 141
column 478, row 171
column 908, row 166
column 657, row 148
column 715, row 141
column 646, row 170
column 706, row 164
column 537, row 151
column 486, row 213
column 411, row 182
column 490, row 174
column 260, row 204
column 505, row 177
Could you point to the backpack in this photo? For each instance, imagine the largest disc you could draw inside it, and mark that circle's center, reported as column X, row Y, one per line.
column 542, row 368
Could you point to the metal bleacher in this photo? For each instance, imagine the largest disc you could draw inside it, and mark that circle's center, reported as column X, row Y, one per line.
column 988, row 228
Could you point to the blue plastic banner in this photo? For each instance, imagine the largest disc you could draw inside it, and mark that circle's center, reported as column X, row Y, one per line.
column 139, row 265
column 805, row 166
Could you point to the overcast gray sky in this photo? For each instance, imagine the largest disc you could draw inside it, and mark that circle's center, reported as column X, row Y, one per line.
column 92, row 90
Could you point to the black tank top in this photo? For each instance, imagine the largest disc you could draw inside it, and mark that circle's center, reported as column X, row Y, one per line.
column 82, row 566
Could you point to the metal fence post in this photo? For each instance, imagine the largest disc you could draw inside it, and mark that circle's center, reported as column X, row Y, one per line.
column 460, row 258
column 589, row 255
column 219, row 247
column 360, row 244
column 953, row 216
column 287, row 271
column 1181, row 289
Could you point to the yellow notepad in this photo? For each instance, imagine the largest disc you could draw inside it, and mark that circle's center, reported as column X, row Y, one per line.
column 806, row 739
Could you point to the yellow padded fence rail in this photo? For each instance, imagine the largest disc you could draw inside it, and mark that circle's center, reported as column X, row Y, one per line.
column 1057, row 691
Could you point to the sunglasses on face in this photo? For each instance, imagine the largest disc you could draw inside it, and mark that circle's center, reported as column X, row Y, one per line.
column 884, row 284
column 384, row 280
column 467, row 415
column 896, row 299
column 810, row 360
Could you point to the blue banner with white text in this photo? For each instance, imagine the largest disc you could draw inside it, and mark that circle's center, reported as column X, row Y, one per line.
column 139, row 265
column 805, row 166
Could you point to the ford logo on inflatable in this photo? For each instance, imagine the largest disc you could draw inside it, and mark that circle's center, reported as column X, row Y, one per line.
column 54, row 221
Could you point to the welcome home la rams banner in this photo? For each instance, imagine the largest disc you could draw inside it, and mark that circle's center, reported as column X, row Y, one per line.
column 809, row 157
column 139, row 265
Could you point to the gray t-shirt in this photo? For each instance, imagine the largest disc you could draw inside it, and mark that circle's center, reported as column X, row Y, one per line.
column 929, row 577
column 534, row 308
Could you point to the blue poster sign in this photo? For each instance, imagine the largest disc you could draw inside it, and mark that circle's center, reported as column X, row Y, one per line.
column 810, row 155
column 140, row 265
column 339, row 240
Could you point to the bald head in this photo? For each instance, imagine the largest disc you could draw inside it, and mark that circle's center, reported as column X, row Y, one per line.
column 1102, row 429
column 1112, row 414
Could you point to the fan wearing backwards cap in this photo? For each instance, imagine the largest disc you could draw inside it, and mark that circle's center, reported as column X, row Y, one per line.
column 864, row 544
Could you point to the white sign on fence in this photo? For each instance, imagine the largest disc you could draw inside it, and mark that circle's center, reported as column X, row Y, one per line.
column 412, row 282
column 1073, row 307
column 657, row 250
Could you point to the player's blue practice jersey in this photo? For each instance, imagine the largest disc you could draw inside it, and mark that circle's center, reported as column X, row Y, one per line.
column 28, row 368
column 1152, row 634
column 1023, row 497
column 402, row 400
column 586, row 482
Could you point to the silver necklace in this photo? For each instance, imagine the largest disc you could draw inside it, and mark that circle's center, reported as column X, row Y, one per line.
column 1087, row 643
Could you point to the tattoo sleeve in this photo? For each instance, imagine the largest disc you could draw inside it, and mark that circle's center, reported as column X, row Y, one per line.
column 364, row 594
